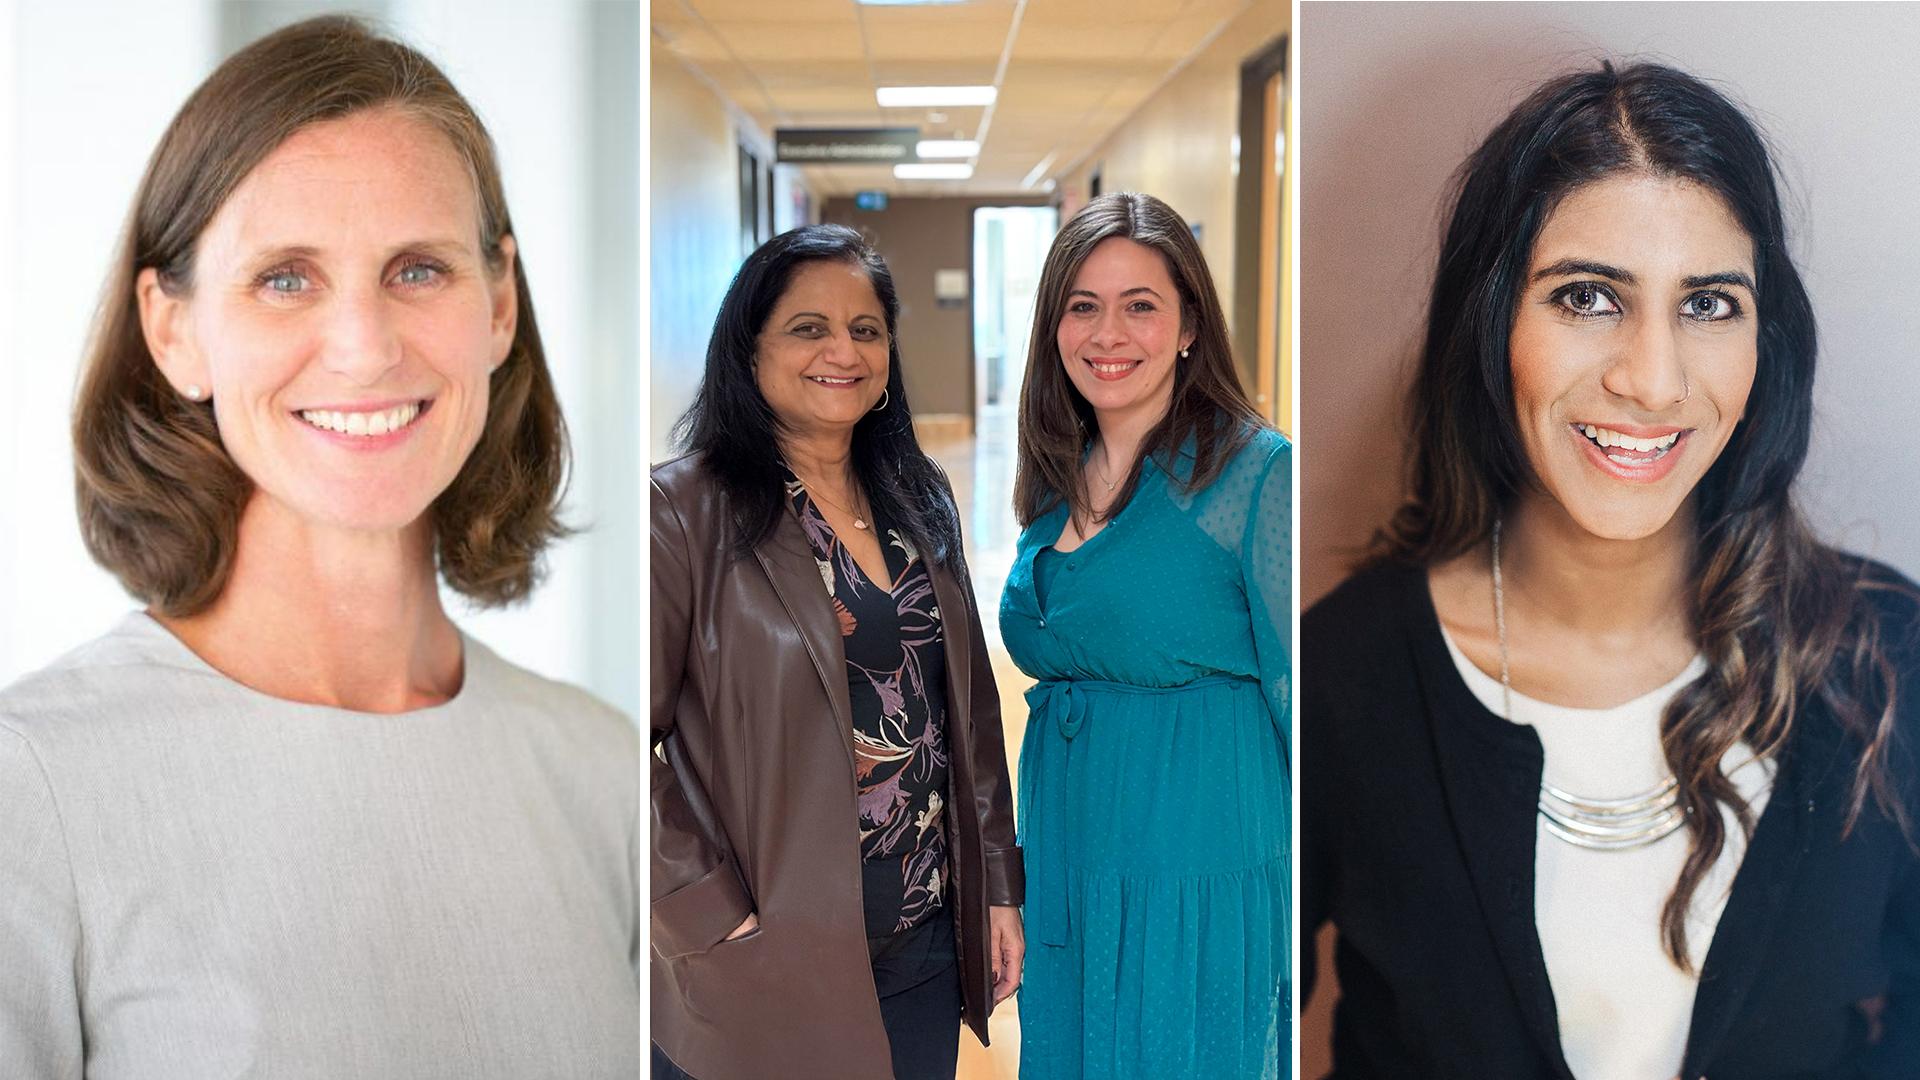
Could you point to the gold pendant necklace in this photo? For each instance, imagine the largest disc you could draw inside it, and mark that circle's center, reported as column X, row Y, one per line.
column 859, row 522
column 1100, row 474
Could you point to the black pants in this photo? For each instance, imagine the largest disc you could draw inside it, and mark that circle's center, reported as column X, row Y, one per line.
column 918, row 979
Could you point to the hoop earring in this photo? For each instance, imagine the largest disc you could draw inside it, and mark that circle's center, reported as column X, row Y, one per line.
column 886, row 399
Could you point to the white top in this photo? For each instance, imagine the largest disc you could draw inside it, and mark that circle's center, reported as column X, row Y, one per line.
column 1624, row 1006
column 200, row 882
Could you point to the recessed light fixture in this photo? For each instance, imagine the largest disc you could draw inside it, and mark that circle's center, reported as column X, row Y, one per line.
column 947, row 148
column 933, row 171
column 933, row 97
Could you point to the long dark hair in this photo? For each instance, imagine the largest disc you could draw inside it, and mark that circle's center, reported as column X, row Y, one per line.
column 1782, row 619
column 736, row 431
column 1057, row 424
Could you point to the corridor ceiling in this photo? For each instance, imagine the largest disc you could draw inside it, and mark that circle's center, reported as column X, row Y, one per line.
column 1068, row 71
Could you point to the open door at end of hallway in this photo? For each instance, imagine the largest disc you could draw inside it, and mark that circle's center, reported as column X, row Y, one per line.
column 1009, row 248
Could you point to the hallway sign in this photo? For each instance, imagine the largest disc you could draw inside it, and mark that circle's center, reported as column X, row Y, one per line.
column 846, row 146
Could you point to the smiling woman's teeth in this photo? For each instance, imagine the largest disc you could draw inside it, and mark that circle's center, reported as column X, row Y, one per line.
column 1609, row 437
column 829, row 380
column 362, row 423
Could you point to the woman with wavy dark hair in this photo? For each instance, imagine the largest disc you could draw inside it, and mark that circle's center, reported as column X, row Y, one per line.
column 1611, row 773
column 1150, row 596
column 835, row 881
column 289, row 819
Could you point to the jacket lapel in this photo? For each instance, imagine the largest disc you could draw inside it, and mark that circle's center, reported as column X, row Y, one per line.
column 954, row 634
column 1490, row 776
column 795, row 576
column 1760, row 890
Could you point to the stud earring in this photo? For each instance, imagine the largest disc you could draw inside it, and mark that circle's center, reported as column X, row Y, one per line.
column 194, row 393
column 1183, row 354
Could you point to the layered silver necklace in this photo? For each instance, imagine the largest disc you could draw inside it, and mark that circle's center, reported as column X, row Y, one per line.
column 1595, row 824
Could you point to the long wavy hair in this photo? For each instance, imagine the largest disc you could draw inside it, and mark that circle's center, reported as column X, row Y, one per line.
column 737, row 432
column 1057, row 424
column 1782, row 620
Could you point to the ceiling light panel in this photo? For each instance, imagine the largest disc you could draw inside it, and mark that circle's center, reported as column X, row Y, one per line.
column 933, row 97
column 947, row 148
column 935, row 171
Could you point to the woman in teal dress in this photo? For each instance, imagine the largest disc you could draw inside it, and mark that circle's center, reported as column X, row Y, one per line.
column 1150, row 597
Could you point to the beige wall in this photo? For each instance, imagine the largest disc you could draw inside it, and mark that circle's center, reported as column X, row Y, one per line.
column 918, row 236
column 1178, row 146
column 695, row 218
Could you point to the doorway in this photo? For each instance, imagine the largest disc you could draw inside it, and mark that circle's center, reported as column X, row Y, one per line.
column 1009, row 248
column 1262, row 249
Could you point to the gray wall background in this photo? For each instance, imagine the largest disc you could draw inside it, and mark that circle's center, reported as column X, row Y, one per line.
column 1393, row 97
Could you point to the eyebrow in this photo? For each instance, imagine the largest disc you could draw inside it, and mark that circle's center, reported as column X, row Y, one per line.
column 870, row 317
column 1724, row 277
column 1124, row 294
column 439, row 248
column 1567, row 267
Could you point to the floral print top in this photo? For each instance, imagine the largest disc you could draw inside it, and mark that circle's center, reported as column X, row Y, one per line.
column 896, row 679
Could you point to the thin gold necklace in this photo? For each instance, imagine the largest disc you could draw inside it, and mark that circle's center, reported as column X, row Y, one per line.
column 859, row 522
column 1101, row 474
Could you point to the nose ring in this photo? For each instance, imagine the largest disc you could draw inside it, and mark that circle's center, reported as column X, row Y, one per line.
column 1686, row 390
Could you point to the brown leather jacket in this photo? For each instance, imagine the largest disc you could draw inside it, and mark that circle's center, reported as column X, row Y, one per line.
column 754, row 811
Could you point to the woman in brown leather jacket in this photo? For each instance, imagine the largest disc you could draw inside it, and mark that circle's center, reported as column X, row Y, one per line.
column 829, row 763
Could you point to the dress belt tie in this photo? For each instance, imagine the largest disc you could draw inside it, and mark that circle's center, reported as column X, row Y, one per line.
column 1048, row 827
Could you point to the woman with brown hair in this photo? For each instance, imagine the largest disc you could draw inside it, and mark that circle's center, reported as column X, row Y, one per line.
column 1607, row 772
column 1150, row 596
column 289, row 820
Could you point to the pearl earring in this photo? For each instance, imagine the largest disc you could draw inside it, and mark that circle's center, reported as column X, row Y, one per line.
column 194, row 392
column 1183, row 354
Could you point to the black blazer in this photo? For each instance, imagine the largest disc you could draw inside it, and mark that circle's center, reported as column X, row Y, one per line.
column 1418, row 811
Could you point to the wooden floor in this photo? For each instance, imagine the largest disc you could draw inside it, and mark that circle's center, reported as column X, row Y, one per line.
column 982, row 474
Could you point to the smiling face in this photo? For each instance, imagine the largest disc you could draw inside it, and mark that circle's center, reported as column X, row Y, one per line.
column 1633, row 350
column 344, row 320
column 1121, row 334
column 822, row 361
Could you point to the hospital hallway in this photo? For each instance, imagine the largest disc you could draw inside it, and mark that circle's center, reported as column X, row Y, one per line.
column 957, row 136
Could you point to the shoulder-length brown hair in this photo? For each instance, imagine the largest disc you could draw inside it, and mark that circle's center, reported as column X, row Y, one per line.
column 1057, row 424
column 159, row 497
column 1783, row 621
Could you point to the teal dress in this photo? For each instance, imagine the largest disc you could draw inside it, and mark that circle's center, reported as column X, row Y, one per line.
column 1154, row 779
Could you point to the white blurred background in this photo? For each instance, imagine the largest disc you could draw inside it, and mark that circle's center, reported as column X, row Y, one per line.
column 85, row 91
